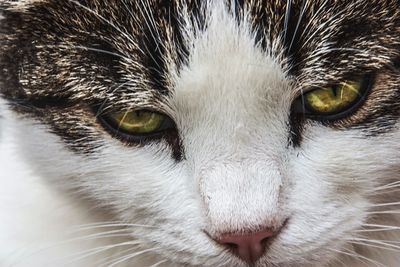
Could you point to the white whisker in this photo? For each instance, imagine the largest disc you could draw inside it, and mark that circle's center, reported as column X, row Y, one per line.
column 312, row 19
column 378, row 226
column 385, row 204
column 287, row 17
column 373, row 246
column 98, row 250
column 302, row 12
column 128, row 257
column 390, row 185
column 108, row 22
column 385, row 192
column 358, row 256
column 158, row 263
column 111, row 225
column 319, row 53
column 377, row 230
column 65, row 46
column 384, row 212
column 372, row 241
column 108, row 234
column 114, row 256
column 318, row 29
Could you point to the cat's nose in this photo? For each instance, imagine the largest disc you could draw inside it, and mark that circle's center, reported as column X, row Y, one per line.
column 249, row 247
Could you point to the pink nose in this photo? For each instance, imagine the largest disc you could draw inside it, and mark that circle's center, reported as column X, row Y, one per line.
column 249, row 247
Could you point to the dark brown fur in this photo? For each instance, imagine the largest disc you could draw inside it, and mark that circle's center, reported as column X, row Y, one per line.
column 51, row 64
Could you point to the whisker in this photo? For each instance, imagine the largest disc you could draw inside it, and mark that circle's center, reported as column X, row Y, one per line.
column 100, row 226
column 108, row 234
column 372, row 241
column 341, row 262
column 128, row 257
column 377, row 230
column 146, row 14
column 158, row 263
column 108, row 22
column 100, row 223
column 385, row 204
column 115, row 256
column 385, row 192
column 340, row 49
column 357, row 256
column 373, row 246
column 89, row 236
column 378, row 225
column 302, row 12
column 152, row 28
column 394, row 185
column 287, row 17
column 97, row 250
column 85, row 48
column 322, row 26
column 312, row 19
column 319, row 53
column 384, row 212
column 352, row 255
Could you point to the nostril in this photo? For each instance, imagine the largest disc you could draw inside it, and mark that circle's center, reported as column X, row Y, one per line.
column 232, row 246
column 267, row 239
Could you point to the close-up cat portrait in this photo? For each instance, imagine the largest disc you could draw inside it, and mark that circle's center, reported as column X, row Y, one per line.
column 190, row 133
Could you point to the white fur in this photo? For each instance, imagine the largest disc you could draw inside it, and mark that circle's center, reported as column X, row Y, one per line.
column 231, row 105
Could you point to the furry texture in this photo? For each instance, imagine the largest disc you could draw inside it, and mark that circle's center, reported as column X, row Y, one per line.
column 228, row 73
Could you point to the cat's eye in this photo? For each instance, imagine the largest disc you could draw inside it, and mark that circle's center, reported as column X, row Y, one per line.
column 334, row 101
column 138, row 124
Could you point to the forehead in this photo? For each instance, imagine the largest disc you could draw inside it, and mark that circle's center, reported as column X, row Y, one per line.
column 148, row 44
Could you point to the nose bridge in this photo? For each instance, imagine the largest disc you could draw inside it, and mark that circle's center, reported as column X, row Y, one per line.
column 244, row 127
column 241, row 196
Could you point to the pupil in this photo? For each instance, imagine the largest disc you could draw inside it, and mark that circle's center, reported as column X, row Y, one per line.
column 335, row 91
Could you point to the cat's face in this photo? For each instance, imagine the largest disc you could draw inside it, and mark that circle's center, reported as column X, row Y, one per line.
column 239, row 156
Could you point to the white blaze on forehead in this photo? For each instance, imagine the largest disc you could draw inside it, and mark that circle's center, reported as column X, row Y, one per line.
column 233, row 102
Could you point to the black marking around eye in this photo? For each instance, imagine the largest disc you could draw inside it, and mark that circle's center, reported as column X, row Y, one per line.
column 296, row 128
column 382, row 110
column 57, row 55
column 31, row 70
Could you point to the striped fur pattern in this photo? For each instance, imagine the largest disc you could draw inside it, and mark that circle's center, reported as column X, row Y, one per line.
column 227, row 72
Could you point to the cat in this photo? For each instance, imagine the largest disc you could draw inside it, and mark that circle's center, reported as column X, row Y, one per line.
column 199, row 133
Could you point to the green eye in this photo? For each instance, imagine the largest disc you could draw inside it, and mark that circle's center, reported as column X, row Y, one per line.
column 334, row 100
column 142, row 127
column 137, row 124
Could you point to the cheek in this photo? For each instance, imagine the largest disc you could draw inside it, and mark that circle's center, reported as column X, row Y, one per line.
column 333, row 166
column 332, row 179
column 142, row 184
column 349, row 161
column 114, row 173
column 325, row 199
